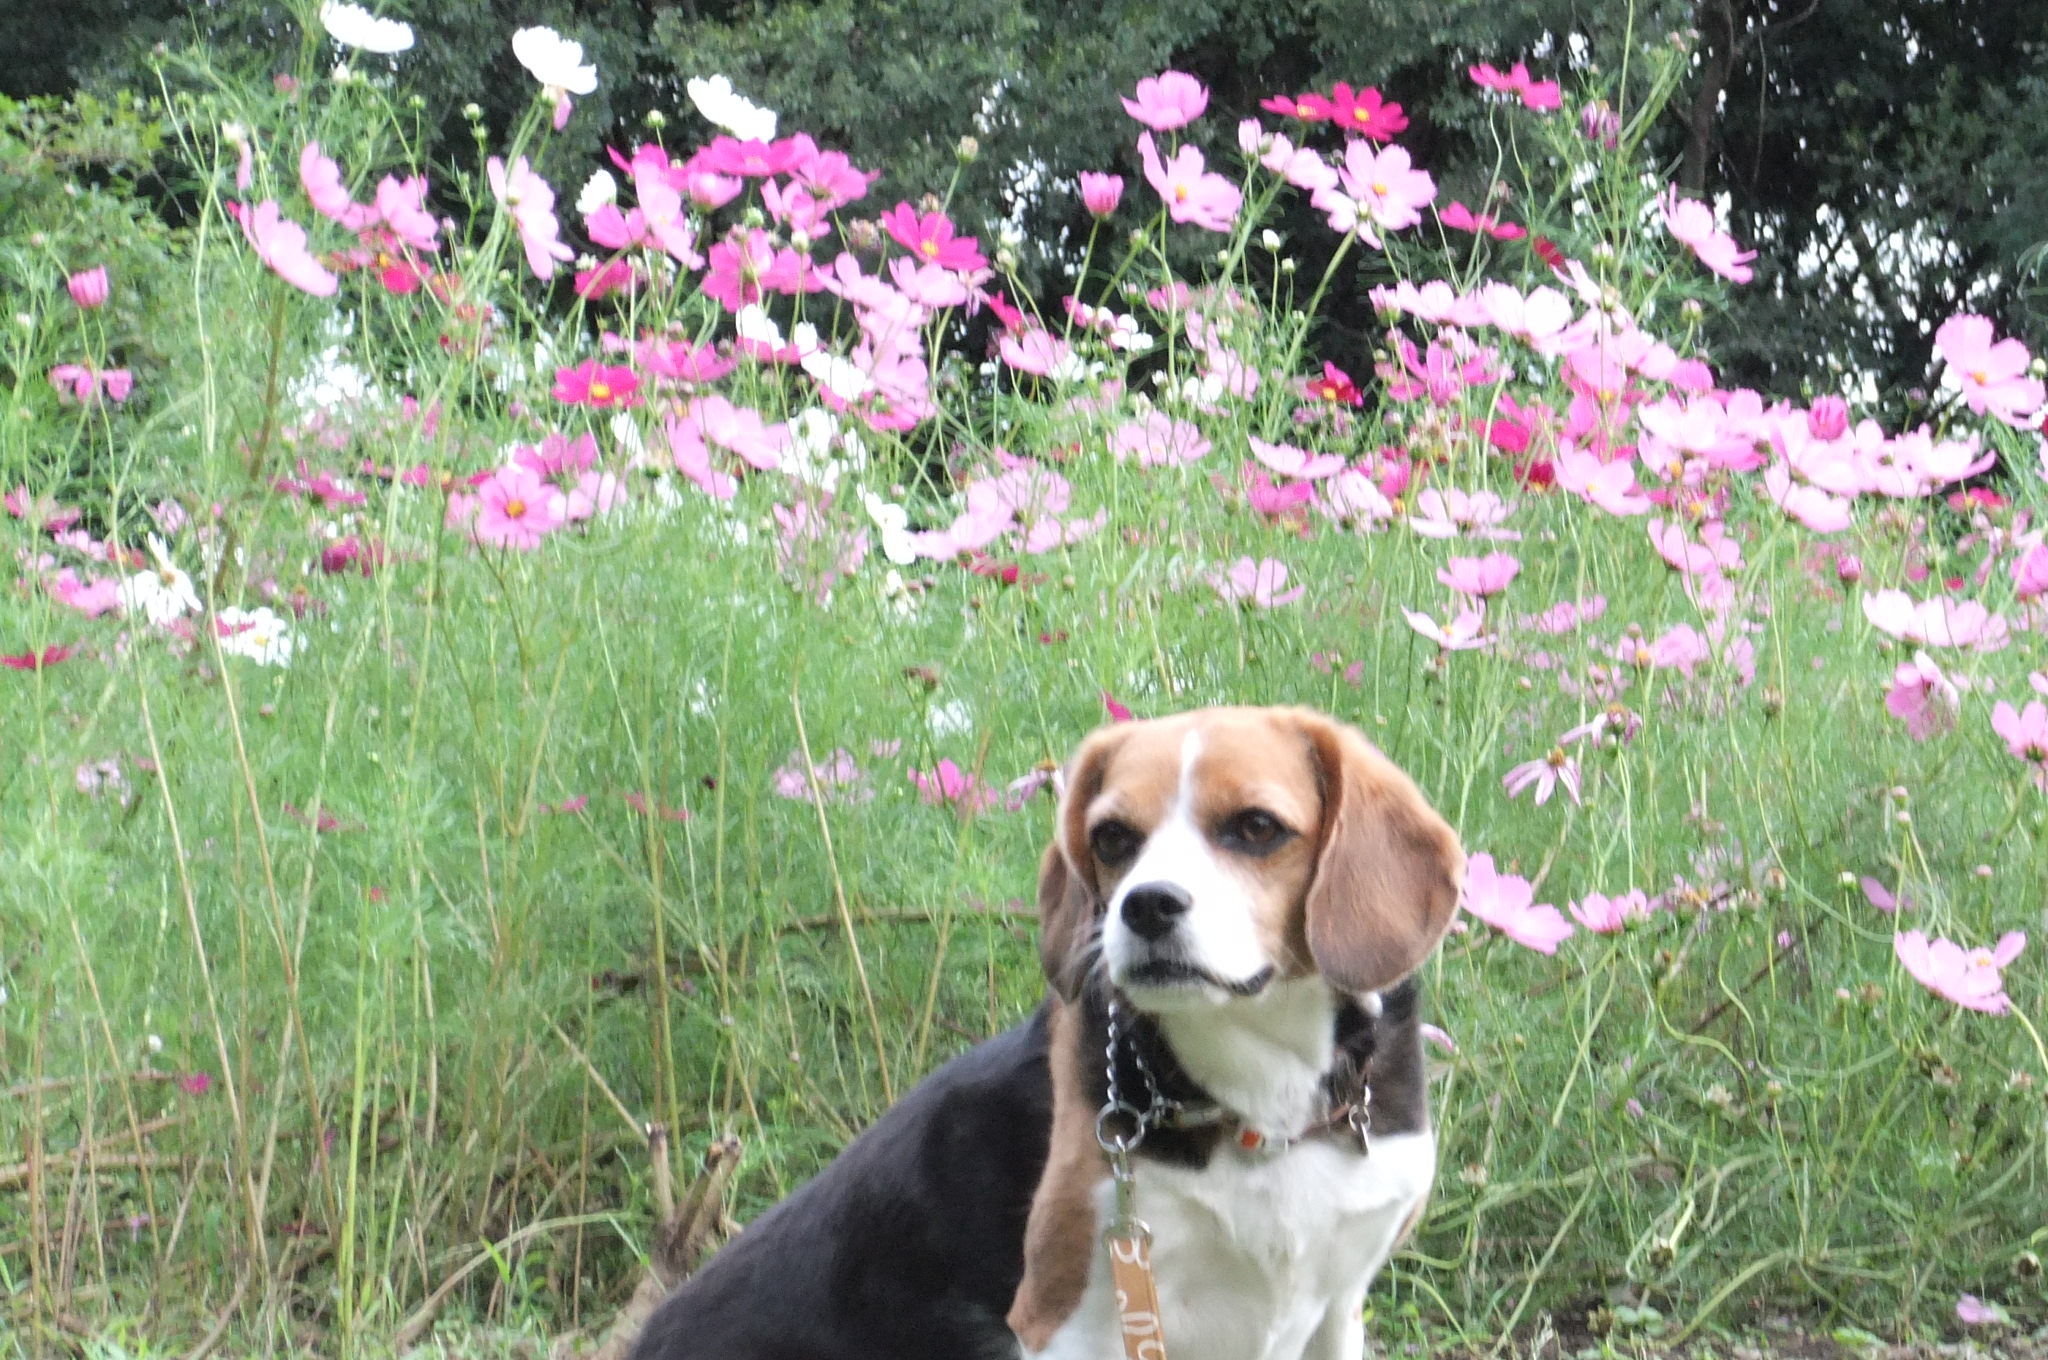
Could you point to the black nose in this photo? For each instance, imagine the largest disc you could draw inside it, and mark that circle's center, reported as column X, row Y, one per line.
column 1151, row 909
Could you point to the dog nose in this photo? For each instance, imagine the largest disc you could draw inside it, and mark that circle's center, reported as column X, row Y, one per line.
column 1151, row 909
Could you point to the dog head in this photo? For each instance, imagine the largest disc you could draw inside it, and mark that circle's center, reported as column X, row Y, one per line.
column 1200, row 858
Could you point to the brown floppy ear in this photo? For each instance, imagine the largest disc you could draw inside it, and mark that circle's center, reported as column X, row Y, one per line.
column 1388, row 870
column 1067, row 896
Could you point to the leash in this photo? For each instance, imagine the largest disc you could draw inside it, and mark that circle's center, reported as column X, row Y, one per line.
column 1127, row 1238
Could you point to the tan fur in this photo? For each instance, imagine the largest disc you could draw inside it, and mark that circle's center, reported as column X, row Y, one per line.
column 1059, row 1239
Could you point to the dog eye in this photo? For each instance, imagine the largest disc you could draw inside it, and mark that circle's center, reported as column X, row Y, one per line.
column 1114, row 842
column 1256, row 831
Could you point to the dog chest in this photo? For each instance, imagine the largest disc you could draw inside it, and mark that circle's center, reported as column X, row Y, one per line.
column 1256, row 1257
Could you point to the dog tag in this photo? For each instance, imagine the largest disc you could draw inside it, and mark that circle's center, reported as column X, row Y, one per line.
column 1137, row 1294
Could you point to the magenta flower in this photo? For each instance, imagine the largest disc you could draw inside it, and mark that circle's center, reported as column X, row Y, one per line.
column 1691, row 222
column 196, row 1083
column 89, row 289
column 1968, row 977
column 516, row 509
column 1922, row 697
column 35, row 661
column 402, row 203
column 1480, row 576
column 693, row 459
column 1540, row 95
column 1262, row 582
column 1034, row 349
column 740, row 430
column 1604, row 915
column 281, row 243
column 597, row 385
column 1364, row 111
column 531, row 202
column 1508, row 904
column 1458, row 217
column 1191, row 193
column 1828, row 418
column 91, row 599
column 931, row 238
column 1169, row 100
column 1101, row 193
column 1544, row 774
column 1993, row 373
column 950, row 784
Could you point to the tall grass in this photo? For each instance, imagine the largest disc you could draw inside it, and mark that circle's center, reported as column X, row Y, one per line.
column 330, row 1006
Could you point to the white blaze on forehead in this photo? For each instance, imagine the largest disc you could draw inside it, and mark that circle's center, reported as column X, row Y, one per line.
column 1218, row 934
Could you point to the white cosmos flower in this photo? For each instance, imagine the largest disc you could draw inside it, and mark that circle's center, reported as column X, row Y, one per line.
column 725, row 108
column 259, row 634
column 597, row 191
column 162, row 595
column 554, row 61
column 894, row 522
column 353, row 26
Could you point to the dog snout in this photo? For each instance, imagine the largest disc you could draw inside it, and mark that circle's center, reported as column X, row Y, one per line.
column 1152, row 909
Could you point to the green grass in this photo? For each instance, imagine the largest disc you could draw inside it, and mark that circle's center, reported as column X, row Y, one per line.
column 438, row 1029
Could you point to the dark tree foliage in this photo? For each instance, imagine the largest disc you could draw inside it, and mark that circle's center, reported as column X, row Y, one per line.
column 1886, row 159
column 1884, row 156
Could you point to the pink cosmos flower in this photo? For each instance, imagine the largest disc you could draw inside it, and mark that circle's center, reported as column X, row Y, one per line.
column 1968, row 977
column 516, row 509
column 1302, row 167
column 531, row 202
column 1262, row 582
column 320, row 177
column 1882, row 898
column 1157, row 439
column 693, row 459
column 1480, row 576
column 1458, row 217
column 837, row 779
column 1828, row 418
column 2026, row 735
column 1993, row 373
column 1939, row 622
column 1192, row 194
column 948, row 783
column 196, row 1083
column 1544, row 773
column 1169, row 100
column 2030, row 572
column 1714, row 552
column 597, row 385
column 1101, row 193
column 1691, row 222
column 281, row 243
column 1462, row 634
column 1448, row 512
column 91, row 599
column 1604, row 915
column 930, row 237
column 1611, row 486
column 1540, row 95
column 84, row 384
column 1811, row 506
column 1034, row 349
column 1922, row 697
column 741, row 430
column 1383, row 184
column 1972, row 1311
column 36, row 661
column 89, row 289
column 1508, row 903
column 1289, row 461
column 402, row 203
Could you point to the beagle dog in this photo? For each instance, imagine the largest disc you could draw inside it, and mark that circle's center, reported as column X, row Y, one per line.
column 1232, row 907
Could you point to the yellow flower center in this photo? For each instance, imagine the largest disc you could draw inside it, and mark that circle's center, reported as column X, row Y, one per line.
column 1980, row 376
column 515, row 508
column 600, row 390
column 1982, row 959
column 1556, row 758
column 930, row 249
column 1180, row 193
column 1362, row 113
column 1379, row 186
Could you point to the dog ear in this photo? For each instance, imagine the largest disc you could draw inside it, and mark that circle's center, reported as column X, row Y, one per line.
column 1388, row 869
column 1067, row 895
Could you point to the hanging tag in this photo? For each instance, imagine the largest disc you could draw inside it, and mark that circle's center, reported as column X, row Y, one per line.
column 1130, row 1266
column 1137, row 1294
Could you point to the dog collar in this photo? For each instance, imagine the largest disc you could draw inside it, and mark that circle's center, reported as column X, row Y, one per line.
column 1353, row 1117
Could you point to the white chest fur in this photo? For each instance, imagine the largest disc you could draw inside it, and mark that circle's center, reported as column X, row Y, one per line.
column 1261, row 1258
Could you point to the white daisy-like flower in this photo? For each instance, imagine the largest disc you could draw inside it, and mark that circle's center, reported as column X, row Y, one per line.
column 838, row 375
column 950, row 719
column 553, row 60
column 162, row 595
column 894, row 522
column 259, row 634
column 597, row 191
column 723, row 107
column 353, row 26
